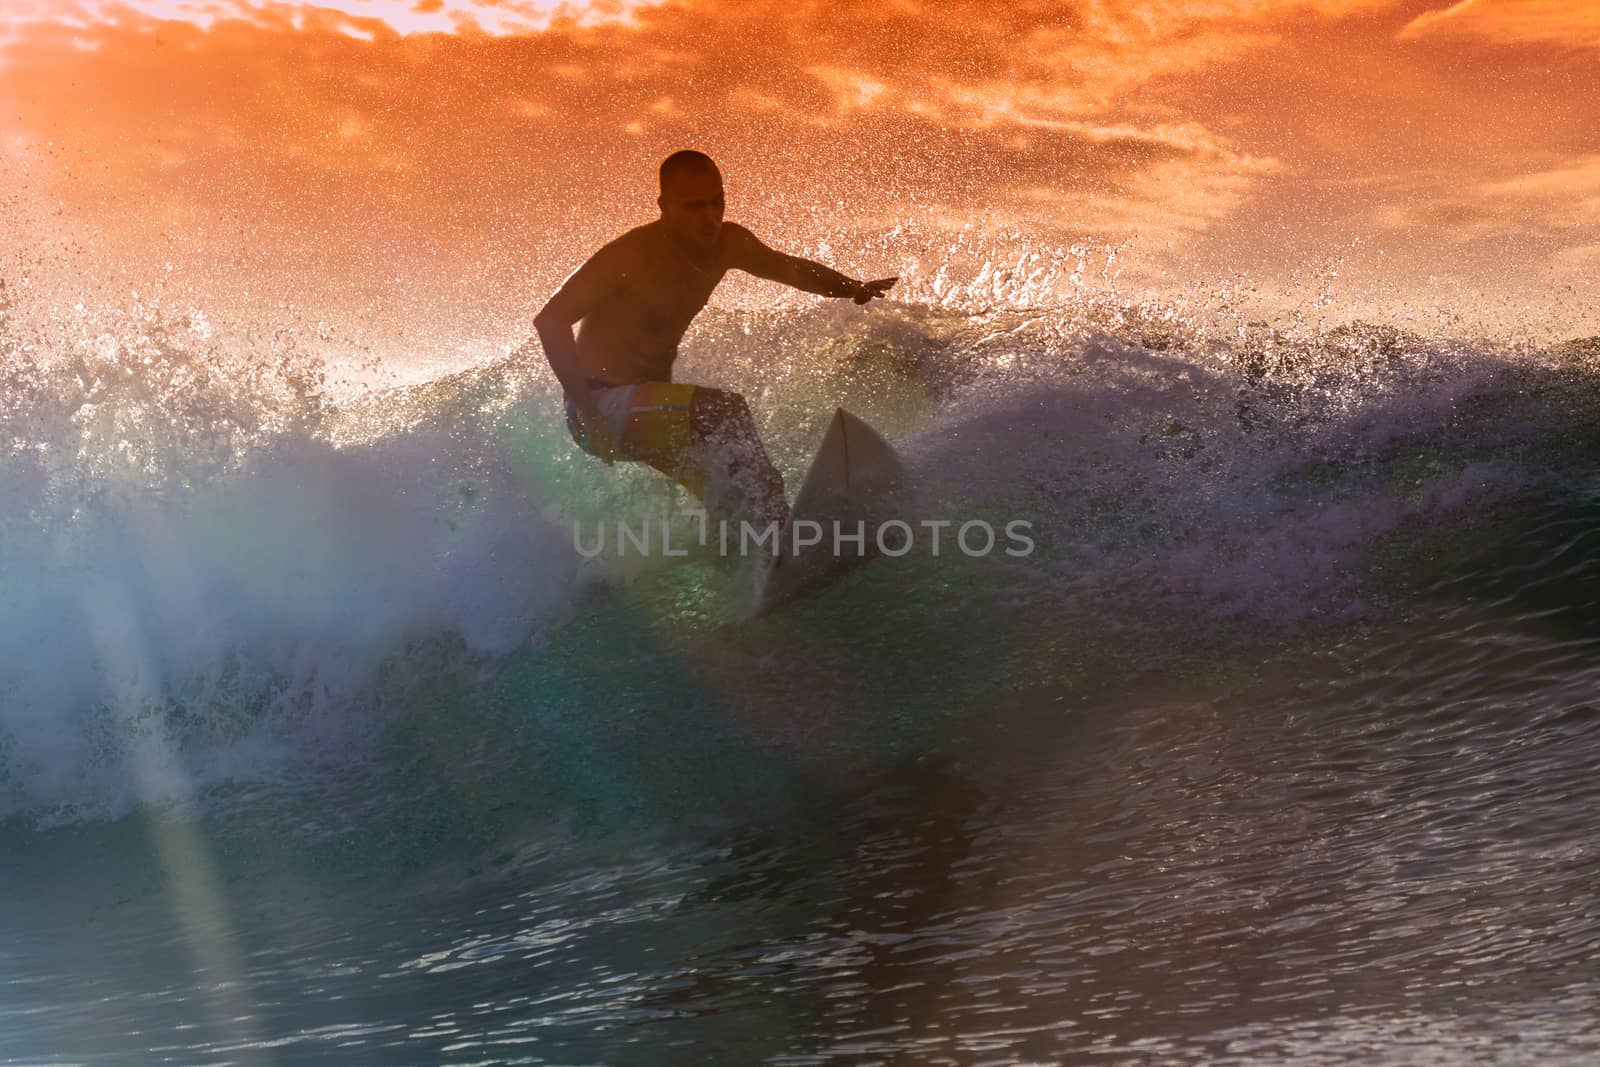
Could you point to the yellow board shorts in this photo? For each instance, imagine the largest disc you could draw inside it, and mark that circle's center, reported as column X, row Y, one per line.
column 654, row 423
column 651, row 421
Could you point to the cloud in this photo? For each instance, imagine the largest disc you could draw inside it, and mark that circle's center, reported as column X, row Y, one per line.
column 383, row 151
column 362, row 18
column 1574, row 23
column 1555, row 200
column 283, row 116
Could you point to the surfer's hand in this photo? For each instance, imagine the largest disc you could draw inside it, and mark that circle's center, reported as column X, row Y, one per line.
column 866, row 291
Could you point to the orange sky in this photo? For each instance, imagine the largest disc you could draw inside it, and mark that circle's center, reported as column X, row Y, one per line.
column 446, row 162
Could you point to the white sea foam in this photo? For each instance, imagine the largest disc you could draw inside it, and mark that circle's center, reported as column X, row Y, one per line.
column 209, row 568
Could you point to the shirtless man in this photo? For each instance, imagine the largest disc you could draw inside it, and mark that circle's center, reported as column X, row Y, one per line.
column 632, row 301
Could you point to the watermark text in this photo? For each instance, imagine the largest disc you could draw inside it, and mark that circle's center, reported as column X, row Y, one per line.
column 893, row 537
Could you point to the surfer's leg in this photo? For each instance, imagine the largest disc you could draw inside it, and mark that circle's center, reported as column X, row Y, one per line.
column 615, row 403
column 726, row 453
column 653, row 426
column 704, row 439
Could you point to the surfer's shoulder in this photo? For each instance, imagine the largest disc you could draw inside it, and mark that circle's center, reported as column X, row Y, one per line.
column 604, row 273
column 739, row 245
column 625, row 246
column 737, row 236
column 618, row 257
column 640, row 235
column 745, row 251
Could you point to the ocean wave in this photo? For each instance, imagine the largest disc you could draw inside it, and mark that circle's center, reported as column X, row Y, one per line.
column 214, row 569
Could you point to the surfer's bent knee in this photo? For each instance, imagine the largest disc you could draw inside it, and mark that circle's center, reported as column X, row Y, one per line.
column 714, row 412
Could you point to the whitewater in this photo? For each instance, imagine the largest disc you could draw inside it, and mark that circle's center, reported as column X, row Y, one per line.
column 321, row 741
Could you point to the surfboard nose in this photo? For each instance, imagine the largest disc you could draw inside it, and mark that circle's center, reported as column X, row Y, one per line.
column 852, row 479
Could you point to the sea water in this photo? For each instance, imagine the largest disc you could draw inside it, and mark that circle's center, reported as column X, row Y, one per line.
column 320, row 742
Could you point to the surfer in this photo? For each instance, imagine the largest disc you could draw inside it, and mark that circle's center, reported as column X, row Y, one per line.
column 632, row 301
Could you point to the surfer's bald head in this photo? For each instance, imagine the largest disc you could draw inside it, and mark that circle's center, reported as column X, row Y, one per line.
column 691, row 198
column 684, row 164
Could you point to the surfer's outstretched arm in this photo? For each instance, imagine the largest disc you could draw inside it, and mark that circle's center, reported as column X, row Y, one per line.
column 747, row 253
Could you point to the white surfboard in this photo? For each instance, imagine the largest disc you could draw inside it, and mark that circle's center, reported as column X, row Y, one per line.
column 855, row 478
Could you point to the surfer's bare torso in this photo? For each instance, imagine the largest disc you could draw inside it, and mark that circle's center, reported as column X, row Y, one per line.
column 654, row 288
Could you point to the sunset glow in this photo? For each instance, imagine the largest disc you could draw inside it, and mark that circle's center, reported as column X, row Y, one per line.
column 358, row 18
column 396, row 151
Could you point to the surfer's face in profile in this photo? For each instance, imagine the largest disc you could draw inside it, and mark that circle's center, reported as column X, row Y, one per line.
column 692, row 205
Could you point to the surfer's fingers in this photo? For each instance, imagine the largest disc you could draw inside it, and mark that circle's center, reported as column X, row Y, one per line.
column 873, row 290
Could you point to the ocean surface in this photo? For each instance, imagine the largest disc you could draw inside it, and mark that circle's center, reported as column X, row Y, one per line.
column 321, row 742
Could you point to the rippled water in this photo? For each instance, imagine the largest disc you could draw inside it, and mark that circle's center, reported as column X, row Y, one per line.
column 318, row 745
column 1376, row 850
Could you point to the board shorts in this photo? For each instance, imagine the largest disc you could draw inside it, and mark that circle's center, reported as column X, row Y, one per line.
column 648, row 418
column 653, row 423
